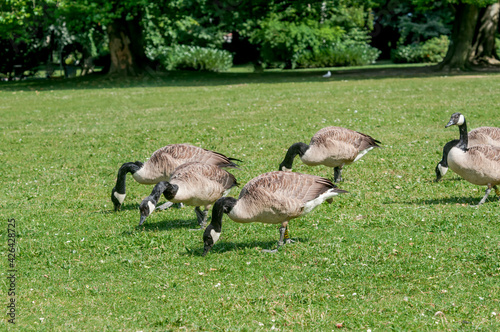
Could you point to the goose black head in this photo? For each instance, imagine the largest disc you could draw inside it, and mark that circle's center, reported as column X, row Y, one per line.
column 147, row 207
column 440, row 171
column 214, row 230
column 117, row 199
column 456, row 119
column 210, row 236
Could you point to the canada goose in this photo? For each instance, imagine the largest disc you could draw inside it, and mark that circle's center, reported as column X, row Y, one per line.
column 479, row 164
column 161, row 164
column 332, row 147
column 194, row 184
column 478, row 136
column 271, row 198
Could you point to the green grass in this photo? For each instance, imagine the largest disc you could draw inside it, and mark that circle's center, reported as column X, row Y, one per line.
column 387, row 256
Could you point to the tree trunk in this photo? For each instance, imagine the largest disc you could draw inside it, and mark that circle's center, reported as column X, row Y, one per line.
column 458, row 55
column 483, row 48
column 126, row 47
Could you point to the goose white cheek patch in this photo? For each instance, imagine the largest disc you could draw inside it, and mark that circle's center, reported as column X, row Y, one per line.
column 120, row 197
column 151, row 207
column 442, row 169
column 461, row 120
column 215, row 236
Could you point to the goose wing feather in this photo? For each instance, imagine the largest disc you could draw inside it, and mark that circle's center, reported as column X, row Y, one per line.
column 277, row 196
column 484, row 135
column 201, row 183
column 341, row 143
column 166, row 159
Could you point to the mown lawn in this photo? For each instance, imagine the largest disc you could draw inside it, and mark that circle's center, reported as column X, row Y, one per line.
column 399, row 252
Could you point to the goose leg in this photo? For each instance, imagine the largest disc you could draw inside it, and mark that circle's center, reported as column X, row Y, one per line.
column 165, row 206
column 284, row 238
column 202, row 218
column 287, row 236
column 487, row 193
column 337, row 174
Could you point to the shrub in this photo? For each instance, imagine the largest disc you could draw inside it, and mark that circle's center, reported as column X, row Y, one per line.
column 347, row 53
column 193, row 58
column 434, row 50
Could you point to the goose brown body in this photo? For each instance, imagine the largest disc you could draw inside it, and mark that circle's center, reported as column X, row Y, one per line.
column 200, row 184
column 336, row 146
column 484, row 135
column 165, row 160
column 161, row 165
column 478, row 136
column 194, row 184
column 271, row 198
column 331, row 146
column 276, row 197
column 478, row 164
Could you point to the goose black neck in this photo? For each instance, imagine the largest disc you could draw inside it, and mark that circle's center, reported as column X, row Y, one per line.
column 170, row 190
column 158, row 189
column 464, row 138
column 223, row 205
column 446, row 149
column 296, row 149
column 122, row 175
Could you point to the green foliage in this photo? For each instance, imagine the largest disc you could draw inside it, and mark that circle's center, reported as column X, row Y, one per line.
column 307, row 33
column 193, row 58
column 424, row 4
column 433, row 50
column 281, row 41
column 353, row 50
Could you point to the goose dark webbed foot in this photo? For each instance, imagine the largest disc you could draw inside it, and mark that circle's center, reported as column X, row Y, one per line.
column 165, row 206
column 272, row 251
column 269, row 251
column 486, row 194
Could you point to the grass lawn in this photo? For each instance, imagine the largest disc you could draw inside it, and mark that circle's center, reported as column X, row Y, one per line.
column 399, row 252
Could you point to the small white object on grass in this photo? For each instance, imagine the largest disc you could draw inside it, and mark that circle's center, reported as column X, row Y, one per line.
column 329, row 74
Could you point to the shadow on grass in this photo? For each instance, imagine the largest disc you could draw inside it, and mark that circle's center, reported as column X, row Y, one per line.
column 222, row 246
column 472, row 200
column 169, row 224
column 190, row 78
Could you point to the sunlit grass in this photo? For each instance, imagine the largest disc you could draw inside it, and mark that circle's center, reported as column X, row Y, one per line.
column 391, row 254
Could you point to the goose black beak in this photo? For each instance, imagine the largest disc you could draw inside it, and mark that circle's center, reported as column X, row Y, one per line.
column 451, row 123
column 143, row 218
column 206, row 250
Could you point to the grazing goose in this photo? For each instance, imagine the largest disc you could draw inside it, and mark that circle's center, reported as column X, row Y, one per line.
column 194, row 184
column 479, row 164
column 478, row 136
column 161, row 164
column 332, row 147
column 271, row 198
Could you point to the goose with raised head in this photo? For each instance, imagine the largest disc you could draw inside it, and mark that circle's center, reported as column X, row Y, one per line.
column 195, row 184
column 478, row 164
column 271, row 198
column 333, row 147
column 478, row 136
column 161, row 165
